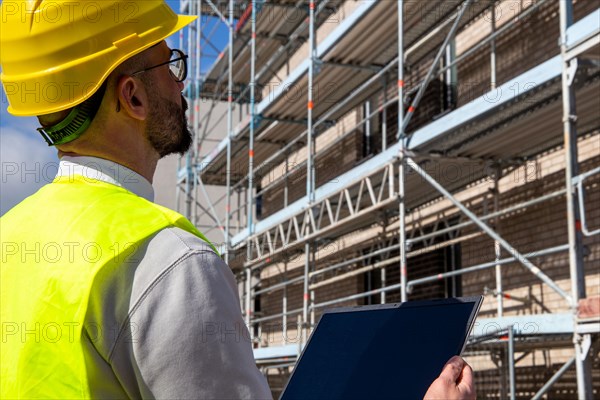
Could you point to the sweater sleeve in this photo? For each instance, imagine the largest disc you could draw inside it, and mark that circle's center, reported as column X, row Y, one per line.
column 187, row 338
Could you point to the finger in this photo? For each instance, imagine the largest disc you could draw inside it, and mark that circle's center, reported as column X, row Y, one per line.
column 453, row 369
column 466, row 378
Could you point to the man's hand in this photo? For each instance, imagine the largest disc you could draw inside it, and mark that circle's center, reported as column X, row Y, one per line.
column 454, row 383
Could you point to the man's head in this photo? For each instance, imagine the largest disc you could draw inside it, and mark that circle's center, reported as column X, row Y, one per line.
column 142, row 95
column 105, row 74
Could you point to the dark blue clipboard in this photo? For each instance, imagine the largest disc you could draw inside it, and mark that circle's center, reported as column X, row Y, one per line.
column 383, row 351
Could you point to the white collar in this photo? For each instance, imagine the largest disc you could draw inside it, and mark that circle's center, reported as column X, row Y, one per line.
column 106, row 171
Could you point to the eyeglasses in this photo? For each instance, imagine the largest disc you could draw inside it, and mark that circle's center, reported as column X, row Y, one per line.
column 177, row 65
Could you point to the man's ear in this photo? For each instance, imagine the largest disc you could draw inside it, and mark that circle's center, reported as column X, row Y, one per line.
column 132, row 98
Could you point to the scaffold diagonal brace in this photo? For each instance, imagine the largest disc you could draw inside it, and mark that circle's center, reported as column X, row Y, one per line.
column 509, row 248
column 215, row 216
column 219, row 14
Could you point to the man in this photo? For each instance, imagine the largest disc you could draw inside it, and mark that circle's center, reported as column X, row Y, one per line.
column 103, row 293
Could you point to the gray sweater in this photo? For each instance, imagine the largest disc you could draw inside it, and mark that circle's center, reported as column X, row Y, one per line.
column 167, row 324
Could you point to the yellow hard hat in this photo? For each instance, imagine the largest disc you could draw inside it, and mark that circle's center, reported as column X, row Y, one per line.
column 56, row 53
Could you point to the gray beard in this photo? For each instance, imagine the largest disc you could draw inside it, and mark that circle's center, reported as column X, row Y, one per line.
column 167, row 128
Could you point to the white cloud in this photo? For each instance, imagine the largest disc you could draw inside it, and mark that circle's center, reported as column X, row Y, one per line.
column 26, row 161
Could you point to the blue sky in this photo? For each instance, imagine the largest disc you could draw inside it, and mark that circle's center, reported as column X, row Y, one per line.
column 26, row 161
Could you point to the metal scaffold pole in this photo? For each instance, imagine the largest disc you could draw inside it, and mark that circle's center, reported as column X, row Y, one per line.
column 401, row 151
column 569, row 68
column 309, row 167
column 178, row 188
column 384, row 113
column 248, row 298
column 196, row 104
column 493, row 78
column 250, row 194
column 229, row 132
column 284, row 305
column 498, row 170
column 511, row 362
column 198, row 63
column 497, row 249
column 250, row 198
column 189, row 156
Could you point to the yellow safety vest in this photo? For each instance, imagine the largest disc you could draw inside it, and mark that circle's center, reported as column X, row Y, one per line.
column 53, row 245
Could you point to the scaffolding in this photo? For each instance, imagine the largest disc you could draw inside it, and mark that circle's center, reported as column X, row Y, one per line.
column 506, row 124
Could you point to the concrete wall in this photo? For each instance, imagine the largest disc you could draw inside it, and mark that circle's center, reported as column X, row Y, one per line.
column 213, row 129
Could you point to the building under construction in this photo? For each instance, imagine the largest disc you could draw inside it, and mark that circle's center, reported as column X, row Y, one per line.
column 362, row 152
